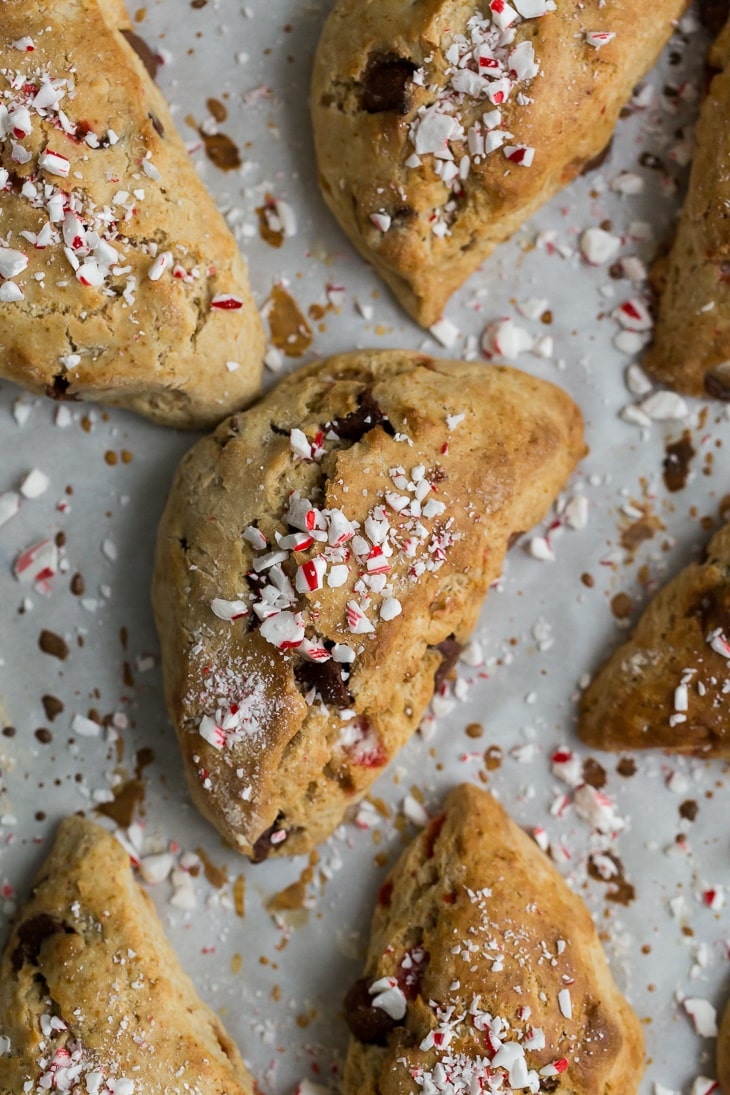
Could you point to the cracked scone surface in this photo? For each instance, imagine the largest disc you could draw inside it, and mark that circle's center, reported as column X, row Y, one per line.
column 666, row 686
column 439, row 130
column 322, row 557
column 92, row 996
column 691, row 344
column 123, row 283
column 485, row 972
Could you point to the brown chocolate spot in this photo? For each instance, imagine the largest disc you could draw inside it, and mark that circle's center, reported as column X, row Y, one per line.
column 58, row 389
column 689, row 810
column 326, row 677
column 621, row 606
column 493, row 758
column 677, row 461
column 143, row 51
column 450, row 651
column 620, row 891
column 198, row 3
column 53, row 644
column 32, row 934
column 354, row 426
column 290, row 331
column 217, row 109
column 156, row 124
column 51, row 706
column 221, row 150
column 385, row 894
column 717, row 382
column 77, row 585
column 262, row 847
column 385, row 84
column 594, row 773
column 123, row 807
column 714, row 14
column 368, row 1024
column 626, row 767
column 44, row 736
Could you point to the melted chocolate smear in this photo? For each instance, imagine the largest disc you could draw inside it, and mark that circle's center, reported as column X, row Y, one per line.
column 450, row 651
column 221, row 150
column 368, row 1024
column 717, row 382
column 58, row 389
column 677, row 461
column 326, row 677
column 143, row 51
column 156, row 124
column 598, row 160
column 32, row 934
column 263, row 845
column 354, row 426
column 52, row 644
column 385, row 84
column 714, row 14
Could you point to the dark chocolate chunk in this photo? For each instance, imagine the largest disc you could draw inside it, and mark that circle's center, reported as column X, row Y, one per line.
column 450, row 650
column 353, row 426
column 263, row 845
column 714, row 14
column 143, row 51
column 31, row 936
column 156, row 124
column 326, row 677
column 368, row 1024
column 58, row 389
column 385, row 84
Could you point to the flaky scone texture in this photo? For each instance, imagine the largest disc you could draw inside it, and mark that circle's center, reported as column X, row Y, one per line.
column 691, row 346
column 122, row 281
column 440, row 127
column 322, row 556
column 723, row 1051
column 666, row 687
column 92, row 996
column 485, row 973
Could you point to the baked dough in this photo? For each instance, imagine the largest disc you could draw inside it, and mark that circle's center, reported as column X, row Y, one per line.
column 691, row 347
column 438, row 134
column 92, row 996
column 296, row 668
column 723, row 1051
column 484, row 966
column 666, row 687
column 119, row 280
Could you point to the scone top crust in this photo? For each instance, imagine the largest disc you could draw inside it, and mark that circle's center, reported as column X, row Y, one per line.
column 92, row 996
column 485, row 972
column 441, row 126
column 667, row 686
column 691, row 344
column 120, row 280
column 315, row 554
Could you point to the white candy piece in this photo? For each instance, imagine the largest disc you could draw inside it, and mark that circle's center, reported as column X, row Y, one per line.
column 35, row 484
column 387, row 996
column 228, row 610
column 703, row 1015
column 598, row 246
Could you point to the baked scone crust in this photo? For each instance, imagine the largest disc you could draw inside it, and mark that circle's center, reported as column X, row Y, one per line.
column 159, row 347
column 666, row 686
column 285, row 750
column 691, row 345
column 483, row 938
column 380, row 65
column 91, row 991
column 723, row 1050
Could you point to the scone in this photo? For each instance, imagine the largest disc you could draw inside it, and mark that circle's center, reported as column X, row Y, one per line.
column 485, row 973
column 441, row 127
column 320, row 561
column 92, row 996
column 723, row 1051
column 691, row 346
column 119, row 280
column 667, row 686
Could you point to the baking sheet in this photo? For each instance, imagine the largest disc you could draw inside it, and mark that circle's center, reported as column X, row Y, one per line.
column 277, row 974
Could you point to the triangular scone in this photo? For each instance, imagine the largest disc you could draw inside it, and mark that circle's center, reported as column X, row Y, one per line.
column 667, row 686
column 723, row 1051
column 119, row 280
column 441, row 127
column 322, row 556
column 92, row 996
column 485, row 973
column 691, row 347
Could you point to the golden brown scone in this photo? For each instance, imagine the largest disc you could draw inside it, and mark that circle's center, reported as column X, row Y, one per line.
column 438, row 134
column 92, row 996
column 723, row 1051
column 122, row 281
column 691, row 347
column 297, row 664
column 666, row 687
column 483, row 967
